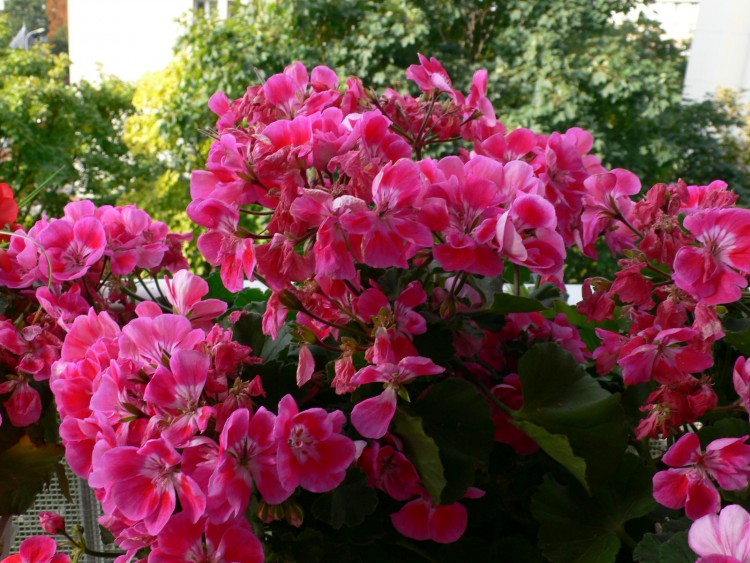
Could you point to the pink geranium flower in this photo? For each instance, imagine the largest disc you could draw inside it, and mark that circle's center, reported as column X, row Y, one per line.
column 660, row 356
column 176, row 394
column 391, row 471
column 688, row 483
column 607, row 201
column 85, row 332
column 184, row 541
column 185, row 292
column 247, row 456
column 420, row 519
column 372, row 417
column 723, row 537
column 73, row 247
column 716, row 271
column 472, row 192
column 38, row 549
column 526, row 235
column 153, row 340
column 312, row 452
column 24, row 406
column 221, row 245
column 143, row 484
column 429, row 75
column 394, row 231
column 400, row 321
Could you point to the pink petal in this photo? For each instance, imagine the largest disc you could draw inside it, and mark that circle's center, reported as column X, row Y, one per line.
column 448, row 522
column 684, row 451
column 372, row 417
column 413, row 520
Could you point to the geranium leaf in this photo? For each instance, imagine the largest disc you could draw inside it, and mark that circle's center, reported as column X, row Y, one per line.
column 24, row 470
column 557, row 447
column 670, row 545
column 724, row 428
column 577, row 528
column 248, row 330
column 422, row 451
column 509, row 303
column 561, row 397
column 349, row 503
column 458, row 418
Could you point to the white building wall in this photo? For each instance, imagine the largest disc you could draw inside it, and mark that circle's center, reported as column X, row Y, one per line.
column 720, row 52
column 126, row 38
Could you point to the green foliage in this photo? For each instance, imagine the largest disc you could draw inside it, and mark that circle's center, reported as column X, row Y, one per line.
column 509, row 303
column 50, row 127
column 423, row 450
column 33, row 13
column 670, row 545
column 558, row 448
column 349, row 503
column 25, row 468
column 560, row 397
column 457, row 417
column 577, row 528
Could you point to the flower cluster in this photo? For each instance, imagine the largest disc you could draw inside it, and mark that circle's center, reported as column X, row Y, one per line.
column 56, row 271
column 392, row 368
column 156, row 417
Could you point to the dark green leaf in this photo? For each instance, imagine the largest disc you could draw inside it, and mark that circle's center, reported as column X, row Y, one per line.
column 24, row 470
column 436, row 344
column 577, row 528
column 349, row 503
column 422, row 450
column 547, row 294
column 558, row 448
column 740, row 340
column 655, row 548
column 250, row 295
column 508, row 303
column 458, row 418
column 216, row 289
column 249, row 331
column 669, row 545
column 487, row 320
column 724, row 428
column 561, row 397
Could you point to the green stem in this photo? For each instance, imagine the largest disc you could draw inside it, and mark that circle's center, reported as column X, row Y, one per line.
column 626, row 538
column 88, row 551
column 488, row 393
column 134, row 295
column 627, row 223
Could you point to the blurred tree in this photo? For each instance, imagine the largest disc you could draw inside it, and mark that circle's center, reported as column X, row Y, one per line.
column 48, row 126
column 31, row 12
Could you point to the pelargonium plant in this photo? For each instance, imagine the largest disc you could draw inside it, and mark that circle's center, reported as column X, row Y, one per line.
column 412, row 384
column 91, row 259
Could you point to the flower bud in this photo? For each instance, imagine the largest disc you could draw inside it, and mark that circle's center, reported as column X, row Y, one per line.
column 52, row 523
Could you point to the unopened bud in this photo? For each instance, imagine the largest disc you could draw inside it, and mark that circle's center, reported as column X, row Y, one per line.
column 52, row 523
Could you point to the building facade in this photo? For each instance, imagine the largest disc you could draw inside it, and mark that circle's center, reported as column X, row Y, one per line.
column 128, row 38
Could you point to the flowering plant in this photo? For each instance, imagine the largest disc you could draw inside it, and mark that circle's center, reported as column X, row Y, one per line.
column 89, row 258
column 413, row 375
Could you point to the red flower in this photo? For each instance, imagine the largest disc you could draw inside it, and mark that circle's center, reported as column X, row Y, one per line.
column 8, row 205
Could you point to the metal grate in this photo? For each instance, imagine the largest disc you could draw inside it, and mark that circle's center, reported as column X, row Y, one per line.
column 84, row 511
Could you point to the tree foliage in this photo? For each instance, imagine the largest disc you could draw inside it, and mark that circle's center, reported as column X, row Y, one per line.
column 74, row 132
column 32, row 13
